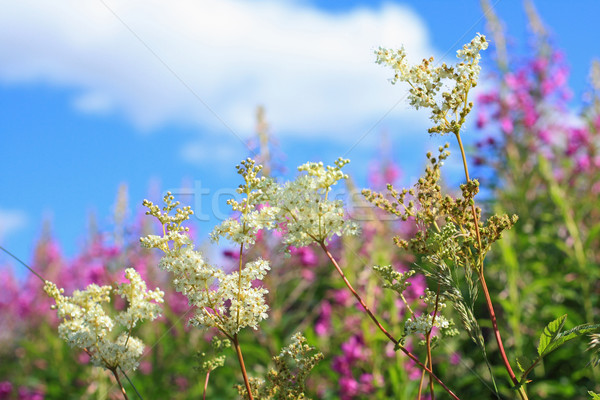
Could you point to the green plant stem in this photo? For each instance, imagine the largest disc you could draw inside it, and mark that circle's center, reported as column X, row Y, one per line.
column 486, row 292
column 378, row 324
column 238, row 351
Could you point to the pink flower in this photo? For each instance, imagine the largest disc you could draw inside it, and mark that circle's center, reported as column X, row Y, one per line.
column 455, row 359
column 506, row 125
column 5, row 390
column 348, row 387
column 482, row 120
column 234, row 255
column 145, row 367
column 342, row 297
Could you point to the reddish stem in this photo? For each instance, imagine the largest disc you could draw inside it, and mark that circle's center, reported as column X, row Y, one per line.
column 238, row 351
column 116, row 374
column 205, row 385
column 378, row 324
column 488, row 299
column 490, row 306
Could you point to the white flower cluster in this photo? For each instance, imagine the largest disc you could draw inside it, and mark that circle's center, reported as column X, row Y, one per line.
column 426, row 81
column 230, row 301
column 255, row 214
column 307, row 213
column 235, row 303
column 423, row 324
column 227, row 301
column 86, row 325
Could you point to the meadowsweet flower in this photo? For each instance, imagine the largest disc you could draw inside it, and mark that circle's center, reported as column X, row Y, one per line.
column 255, row 214
column 309, row 216
column 424, row 323
column 426, row 82
column 226, row 301
column 87, row 326
column 288, row 379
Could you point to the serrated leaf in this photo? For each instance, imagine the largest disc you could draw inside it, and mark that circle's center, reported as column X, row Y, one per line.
column 571, row 334
column 549, row 334
column 552, row 338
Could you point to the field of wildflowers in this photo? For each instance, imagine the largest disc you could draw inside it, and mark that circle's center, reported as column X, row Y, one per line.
column 418, row 293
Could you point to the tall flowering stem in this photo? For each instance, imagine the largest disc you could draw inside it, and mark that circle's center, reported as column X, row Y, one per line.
column 449, row 110
column 307, row 215
column 228, row 302
column 486, row 292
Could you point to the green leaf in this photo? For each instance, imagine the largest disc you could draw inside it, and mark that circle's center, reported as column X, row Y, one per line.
column 571, row 334
column 552, row 338
column 595, row 396
column 550, row 333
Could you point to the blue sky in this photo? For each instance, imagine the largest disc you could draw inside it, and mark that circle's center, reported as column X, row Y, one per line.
column 163, row 94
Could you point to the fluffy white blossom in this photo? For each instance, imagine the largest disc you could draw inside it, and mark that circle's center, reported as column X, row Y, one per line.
column 226, row 301
column 235, row 303
column 423, row 324
column 254, row 210
column 86, row 325
column 307, row 214
column 427, row 81
column 141, row 303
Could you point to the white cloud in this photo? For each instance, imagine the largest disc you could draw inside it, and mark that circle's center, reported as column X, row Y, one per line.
column 200, row 153
column 313, row 71
column 11, row 221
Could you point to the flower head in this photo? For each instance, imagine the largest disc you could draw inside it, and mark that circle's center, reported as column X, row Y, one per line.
column 426, row 82
column 307, row 213
column 87, row 326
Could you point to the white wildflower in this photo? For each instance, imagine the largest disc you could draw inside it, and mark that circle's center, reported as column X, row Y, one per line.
column 309, row 216
column 426, row 82
column 86, row 325
column 424, row 323
column 226, row 301
column 254, row 209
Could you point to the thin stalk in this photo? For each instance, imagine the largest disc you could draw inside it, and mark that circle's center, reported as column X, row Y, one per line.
column 421, row 383
column 131, row 383
column 428, row 340
column 486, row 292
column 240, row 282
column 205, row 385
column 114, row 371
column 25, row 265
column 238, row 351
column 378, row 324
